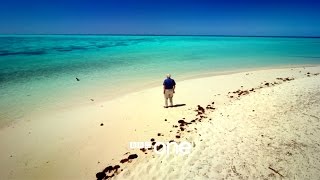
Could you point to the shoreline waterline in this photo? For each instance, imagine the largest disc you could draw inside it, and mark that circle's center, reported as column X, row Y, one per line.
column 38, row 73
column 134, row 87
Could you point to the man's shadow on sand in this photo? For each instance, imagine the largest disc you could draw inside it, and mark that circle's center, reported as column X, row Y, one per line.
column 177, row 105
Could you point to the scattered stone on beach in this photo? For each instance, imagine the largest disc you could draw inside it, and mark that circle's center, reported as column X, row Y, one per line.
column 100, row 175
column 183, row 127
column 181, row 122
column 124, row 160
column 92, row 99
column 201, row 109
column 133, row 156
column 210, row 107
column 77, row 79
column 116, row 167
column 101, row 124
column 108, row 169
column 159, row 147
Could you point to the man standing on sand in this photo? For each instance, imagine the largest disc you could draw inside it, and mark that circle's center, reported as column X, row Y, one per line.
column 168, row 90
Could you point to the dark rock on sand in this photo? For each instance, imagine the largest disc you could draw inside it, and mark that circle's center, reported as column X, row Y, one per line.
column 108, row 169
column 124, row 160
column 153, row 143
column 116, row 167
column 201, row 109
column 77, row 79
column 100, row 175
column 133, row 156
column 159, row 147
column 181, row 121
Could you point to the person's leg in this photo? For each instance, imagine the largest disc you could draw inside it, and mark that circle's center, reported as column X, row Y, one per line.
column 170, row 97
column 166, row 98
column 166, row 102
column 171, row 103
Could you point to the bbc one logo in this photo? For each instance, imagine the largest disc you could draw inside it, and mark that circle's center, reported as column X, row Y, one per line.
column 168, row 148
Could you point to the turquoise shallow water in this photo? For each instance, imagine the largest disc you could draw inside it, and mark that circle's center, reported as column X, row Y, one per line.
column 37, row 72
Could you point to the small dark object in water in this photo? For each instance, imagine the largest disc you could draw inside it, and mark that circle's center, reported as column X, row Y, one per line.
column 77, row 79
column 132, row 156
column 100, row 175
column 101, row 124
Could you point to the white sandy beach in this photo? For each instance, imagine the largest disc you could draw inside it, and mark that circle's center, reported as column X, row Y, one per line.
column 279, row 139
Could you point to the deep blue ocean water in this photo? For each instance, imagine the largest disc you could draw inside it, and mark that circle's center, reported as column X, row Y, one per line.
column 38, row 72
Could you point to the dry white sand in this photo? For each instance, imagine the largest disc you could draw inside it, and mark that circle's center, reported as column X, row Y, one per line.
column 282, row 133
